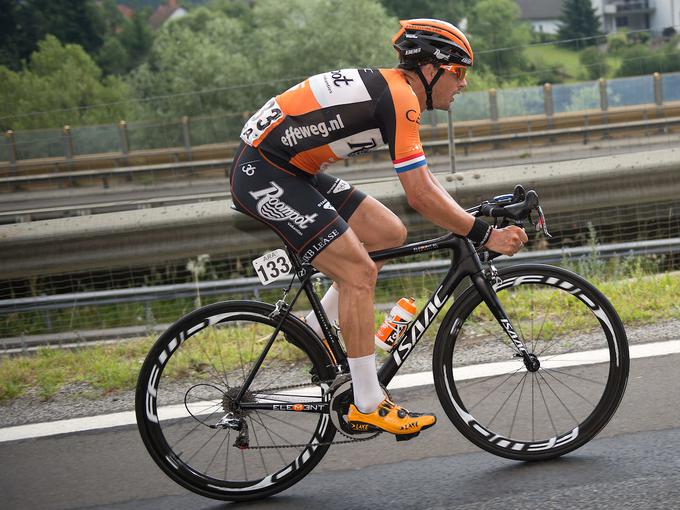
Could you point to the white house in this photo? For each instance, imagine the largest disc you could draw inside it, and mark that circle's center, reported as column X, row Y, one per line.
column 654, row 15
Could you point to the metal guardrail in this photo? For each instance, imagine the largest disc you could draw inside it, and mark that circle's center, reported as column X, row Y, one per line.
column 466, row 143
column 252, row 287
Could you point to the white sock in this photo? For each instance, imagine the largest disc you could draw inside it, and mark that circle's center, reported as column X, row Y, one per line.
column 329, row 302
column 367, row 391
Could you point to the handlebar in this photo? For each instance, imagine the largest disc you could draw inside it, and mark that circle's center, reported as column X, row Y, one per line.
column 517, row 207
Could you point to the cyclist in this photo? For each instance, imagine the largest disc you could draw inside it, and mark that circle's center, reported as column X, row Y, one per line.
column 277, row 177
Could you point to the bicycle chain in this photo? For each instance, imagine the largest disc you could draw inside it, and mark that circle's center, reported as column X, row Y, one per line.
column 304, row 445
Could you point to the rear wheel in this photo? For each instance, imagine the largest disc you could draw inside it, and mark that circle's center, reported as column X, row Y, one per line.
column 532, row 411
column 200, row 435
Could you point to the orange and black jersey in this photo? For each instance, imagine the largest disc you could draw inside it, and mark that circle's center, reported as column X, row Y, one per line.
column 337, row 115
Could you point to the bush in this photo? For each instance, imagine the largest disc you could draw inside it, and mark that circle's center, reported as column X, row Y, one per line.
column 594, row 63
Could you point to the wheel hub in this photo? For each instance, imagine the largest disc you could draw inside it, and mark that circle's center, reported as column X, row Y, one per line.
column 532, row 363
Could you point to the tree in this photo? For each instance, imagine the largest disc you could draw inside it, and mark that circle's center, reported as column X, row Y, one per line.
column 61, row 80
column 594, row 63
column 453, row 11
column 71, row 21
column 302, row 37
column 580, row 23
column 498, row 37
column 201, row 51
column 276, row 46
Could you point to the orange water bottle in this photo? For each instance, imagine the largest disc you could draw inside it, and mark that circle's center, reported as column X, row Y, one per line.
column 395, row 323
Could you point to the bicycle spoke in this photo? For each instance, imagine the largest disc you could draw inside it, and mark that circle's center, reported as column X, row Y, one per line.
column 507, row 399
column 599, row 383
column 484, row 379
column 546, row 315
column 545, row 403
column 501, row 339
column 284, row 422
column 495, row 388
column 569, row 388
column 207, row 470
column 549, row 345
column 257, row 441
column 533, row 420
column 557, row 397
column 217, row 431
column 278, row 450
column 519, row 399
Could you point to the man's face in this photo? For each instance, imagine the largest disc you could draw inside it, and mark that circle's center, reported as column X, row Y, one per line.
column 446, row 87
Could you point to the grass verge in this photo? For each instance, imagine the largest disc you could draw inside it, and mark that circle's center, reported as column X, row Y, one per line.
column 107, row 369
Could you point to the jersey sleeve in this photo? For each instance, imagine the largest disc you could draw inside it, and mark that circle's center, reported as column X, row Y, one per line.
column 400, row 113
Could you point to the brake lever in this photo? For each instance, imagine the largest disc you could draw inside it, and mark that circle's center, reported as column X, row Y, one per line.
column 540, row 224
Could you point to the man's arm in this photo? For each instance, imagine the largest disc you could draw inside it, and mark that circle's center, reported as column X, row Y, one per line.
column 429, row 198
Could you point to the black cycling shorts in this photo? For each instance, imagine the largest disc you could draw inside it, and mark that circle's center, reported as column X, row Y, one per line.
column 307, row 211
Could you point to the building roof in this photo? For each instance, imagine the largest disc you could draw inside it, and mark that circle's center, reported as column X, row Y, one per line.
column 540, row 9
column 163, row 12
column 126, row 11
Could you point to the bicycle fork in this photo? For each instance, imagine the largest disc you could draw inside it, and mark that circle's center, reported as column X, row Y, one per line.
column 486, row 290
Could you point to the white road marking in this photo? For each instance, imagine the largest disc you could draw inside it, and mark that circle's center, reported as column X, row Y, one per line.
column 401, row 381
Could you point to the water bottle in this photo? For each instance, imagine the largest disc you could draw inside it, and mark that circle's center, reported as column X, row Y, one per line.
column 395, row 323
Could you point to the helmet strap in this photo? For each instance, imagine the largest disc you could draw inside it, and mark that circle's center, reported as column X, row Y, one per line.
column 428, row 86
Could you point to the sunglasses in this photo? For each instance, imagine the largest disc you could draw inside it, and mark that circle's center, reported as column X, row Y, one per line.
column 460, row 71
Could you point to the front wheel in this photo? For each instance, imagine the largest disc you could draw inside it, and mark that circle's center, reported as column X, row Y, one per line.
column 532, row 412
column 206, row 438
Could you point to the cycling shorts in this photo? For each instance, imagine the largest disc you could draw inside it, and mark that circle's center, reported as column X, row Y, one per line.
column 307, row 211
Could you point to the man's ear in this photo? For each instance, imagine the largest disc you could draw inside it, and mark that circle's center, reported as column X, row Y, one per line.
column 428, row 70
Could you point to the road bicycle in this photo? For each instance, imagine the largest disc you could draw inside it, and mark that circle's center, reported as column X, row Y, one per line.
column 239, row 400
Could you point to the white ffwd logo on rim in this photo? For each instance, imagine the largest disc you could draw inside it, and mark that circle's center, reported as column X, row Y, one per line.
column 271, row 208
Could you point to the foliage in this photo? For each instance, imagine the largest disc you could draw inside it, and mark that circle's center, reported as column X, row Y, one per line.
column 453, row 11
column 29, row 21
column 640, row 59
column 579, row 20
column 210, row 50
column 201, row 51
column 494, row 25
column 62, row 78
column 617, row 42
column 594, row 63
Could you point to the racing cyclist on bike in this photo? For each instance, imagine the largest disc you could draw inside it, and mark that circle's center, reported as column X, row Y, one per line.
column 277, row 177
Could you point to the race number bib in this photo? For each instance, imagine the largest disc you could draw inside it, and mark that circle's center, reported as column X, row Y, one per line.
column 264, row 120
column 272, row 266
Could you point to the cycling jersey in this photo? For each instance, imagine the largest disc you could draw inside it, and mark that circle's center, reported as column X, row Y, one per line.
column 337, row 115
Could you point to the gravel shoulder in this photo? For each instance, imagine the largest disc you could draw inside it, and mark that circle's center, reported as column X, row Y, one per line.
column 72, row 402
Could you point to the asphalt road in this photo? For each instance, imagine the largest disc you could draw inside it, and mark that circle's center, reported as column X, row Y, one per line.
column 634, row 463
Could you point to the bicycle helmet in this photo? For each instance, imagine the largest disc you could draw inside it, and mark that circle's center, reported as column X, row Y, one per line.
column 430, row 41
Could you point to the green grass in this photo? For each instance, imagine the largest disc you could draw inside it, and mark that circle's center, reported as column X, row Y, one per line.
column 108, row 369
column 550, row 55
column 553, row 55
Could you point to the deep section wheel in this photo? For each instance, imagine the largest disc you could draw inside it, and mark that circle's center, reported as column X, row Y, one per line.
column 192, row 409
column 558, row 398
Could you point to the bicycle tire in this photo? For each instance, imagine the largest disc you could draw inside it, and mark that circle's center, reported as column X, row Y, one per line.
column 204, row 356
column 588, row 356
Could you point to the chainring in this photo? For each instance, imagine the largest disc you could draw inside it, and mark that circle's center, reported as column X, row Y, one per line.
column 342, row 396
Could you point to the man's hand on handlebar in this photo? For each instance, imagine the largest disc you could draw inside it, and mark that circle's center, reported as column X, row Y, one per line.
column 508, row 240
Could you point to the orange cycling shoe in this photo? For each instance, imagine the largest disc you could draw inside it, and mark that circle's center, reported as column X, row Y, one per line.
column 391, row 418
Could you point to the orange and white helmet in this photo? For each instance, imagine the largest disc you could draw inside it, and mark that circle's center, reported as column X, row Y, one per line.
column 423, row 41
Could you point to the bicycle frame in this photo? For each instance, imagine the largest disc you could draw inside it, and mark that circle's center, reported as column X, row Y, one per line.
column 464, row 262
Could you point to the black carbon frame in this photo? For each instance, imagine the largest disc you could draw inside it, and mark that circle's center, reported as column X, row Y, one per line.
column 464, row 262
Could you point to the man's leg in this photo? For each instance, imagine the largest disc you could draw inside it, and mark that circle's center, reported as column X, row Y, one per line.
column 377, row 228
column 346, row 261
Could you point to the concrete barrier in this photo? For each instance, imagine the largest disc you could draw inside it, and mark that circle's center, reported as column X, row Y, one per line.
column 141, row 237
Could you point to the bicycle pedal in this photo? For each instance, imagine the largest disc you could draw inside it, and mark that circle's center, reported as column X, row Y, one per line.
column 406, row 437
